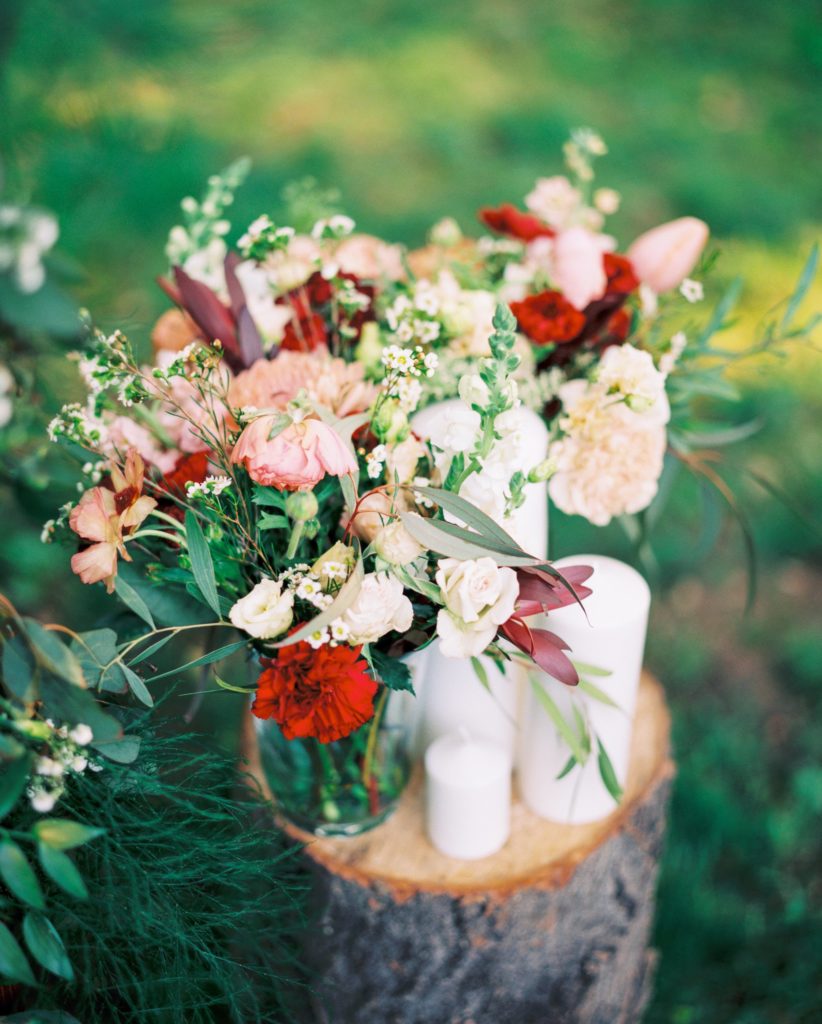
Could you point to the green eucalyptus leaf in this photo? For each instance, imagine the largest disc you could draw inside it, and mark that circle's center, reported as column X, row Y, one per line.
column 10, row 749
column 95, row 650
column 480, row 673
column 129, row 596
column 13, row 963
column 13, row 778
column 472, row 517
column 575, row 743
column 454, row 541
column 594, row 691
column 138, row 687
column 205, row 659
column 201, row 563
column 63, row 833
column 123, row 750
column 248, row 690
column 607, row 773
column 18, row 876
column 53, row 654
column 46, row 946
column 62, row 870
column 569, row 766
column 18, row 668
column 152, row 648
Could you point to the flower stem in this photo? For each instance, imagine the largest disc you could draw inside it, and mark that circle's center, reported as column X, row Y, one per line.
column 371, row 744
column 296, row 537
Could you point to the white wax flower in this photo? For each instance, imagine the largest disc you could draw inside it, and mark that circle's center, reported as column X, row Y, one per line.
column 555, row 201
column 265, row 612
column 379, row 607
column 81, row 734
column 473, row 390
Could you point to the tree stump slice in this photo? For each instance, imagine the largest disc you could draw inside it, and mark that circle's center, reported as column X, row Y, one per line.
column 553, row 929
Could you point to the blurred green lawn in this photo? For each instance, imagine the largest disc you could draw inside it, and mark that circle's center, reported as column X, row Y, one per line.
column 110, row 112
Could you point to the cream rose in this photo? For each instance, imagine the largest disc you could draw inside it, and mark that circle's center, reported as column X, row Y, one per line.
column 479, row 597
column 265, row 612
column 379, row 607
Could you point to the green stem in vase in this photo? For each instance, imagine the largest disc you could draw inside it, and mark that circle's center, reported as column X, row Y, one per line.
column 371, row 747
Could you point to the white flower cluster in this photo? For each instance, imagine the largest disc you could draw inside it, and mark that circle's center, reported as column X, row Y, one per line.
column 375, row 461
column 26, row 235
column 66, row 755
column 669, row 359
column 211, row 487
column 413, row 318
column 262, row 233
column 610, row 456
column 338, row 226
column 74, row 423
column 409, row 362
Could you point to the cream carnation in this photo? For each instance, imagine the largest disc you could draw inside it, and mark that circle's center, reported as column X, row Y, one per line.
column 631, row 373
column 379, row 607
column 265, row 612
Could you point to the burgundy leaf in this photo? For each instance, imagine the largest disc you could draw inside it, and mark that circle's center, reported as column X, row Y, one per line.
column 236, row 294
column 549, row 592
column 210, row 315
column 248, row 337
column 170, row 290
column 545, row 648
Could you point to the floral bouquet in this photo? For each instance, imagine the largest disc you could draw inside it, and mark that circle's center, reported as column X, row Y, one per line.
column 292, row 500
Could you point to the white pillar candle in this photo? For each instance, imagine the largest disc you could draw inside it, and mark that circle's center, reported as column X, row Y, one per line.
column 614, row 640
column 452, row 695
column 467, row 795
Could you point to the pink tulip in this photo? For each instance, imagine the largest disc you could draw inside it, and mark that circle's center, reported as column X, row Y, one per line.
column 664, row 256
column 295, row 459
column 577, row 265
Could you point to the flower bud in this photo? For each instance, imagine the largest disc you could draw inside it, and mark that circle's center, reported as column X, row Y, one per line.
column 543, row 471
column 664, row 256
column 395, row 545
column 391, row 423
column 301, row 506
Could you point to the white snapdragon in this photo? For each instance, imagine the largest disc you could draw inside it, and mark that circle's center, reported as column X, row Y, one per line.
column 379, row 607
column 479, row 597
column 265, row 612
column 630, row 373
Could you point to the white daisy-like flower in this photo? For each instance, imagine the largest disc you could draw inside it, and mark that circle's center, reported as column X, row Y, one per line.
column 318, row 638
column 692, row 290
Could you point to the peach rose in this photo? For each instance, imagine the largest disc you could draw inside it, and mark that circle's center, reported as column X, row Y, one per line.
column 295, row 459
column 664, row 256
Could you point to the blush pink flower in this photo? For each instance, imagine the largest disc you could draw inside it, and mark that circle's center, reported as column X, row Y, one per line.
column 578, row 268
column 106, row 517
column 664, row 256
column 295, row 459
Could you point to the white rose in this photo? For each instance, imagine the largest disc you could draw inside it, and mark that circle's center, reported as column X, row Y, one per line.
column 395, row 544
column 266, row 612
column 379, row 607
column 478, row 590
column 460, row 639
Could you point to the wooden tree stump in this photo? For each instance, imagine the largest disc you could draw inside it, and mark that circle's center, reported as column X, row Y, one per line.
column 552, row 929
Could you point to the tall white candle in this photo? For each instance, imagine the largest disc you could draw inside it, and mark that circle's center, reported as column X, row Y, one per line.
column 614, row 640
column 452, row 695
column 467, row 795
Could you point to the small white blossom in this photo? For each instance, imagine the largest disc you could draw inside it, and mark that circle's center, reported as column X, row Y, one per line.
column 48, row 766
column 212, row 486
column 43, row 800
column 81, row 734
column 692, row 290
column 318, row 638
column 78, row 763
column 339, row 631
column 47, row 533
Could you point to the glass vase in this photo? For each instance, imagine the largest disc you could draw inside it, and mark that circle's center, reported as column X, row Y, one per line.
column 341, row 788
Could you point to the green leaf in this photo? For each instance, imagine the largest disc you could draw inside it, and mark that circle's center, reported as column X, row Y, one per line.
column 53, row 654
column 471, row 516
column 480, row 673
column 95, row 650
column 18, row 875
column 152, row 648
column 10, row 749
column 129, row 596
column 607, row 773
column 234, row 689
column 123, row 750
column 591, row 670
column 393, row 672
column 18, row 668
column 71, row 704
column 594, row 691
column 64, row 834
column 62, row 870
column 723, row 308
column 570, row 764
column 46, row 946
column 575, row 743
column 13, row 962
column 456, row 542
column 267, row 496
column 801, row 290
column 201, row 563
column 206, row 659
column 13, row 778
column 138, row 687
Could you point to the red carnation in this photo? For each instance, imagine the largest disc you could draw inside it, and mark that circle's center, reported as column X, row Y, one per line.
column 622, row 279
column 324, row 693
column 548, row 317
column 508, row 220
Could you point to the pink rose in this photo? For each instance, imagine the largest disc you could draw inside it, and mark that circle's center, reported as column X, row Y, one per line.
column 295, row 459
column 577, row 265
column 664, row 256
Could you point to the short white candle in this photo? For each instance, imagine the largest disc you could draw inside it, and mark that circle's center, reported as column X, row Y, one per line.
column 611, row 638
column 467, row 795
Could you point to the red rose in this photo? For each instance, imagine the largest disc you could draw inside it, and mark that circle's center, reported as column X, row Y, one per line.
column 508, row 220
column 548, row 317
column 324, row 693
column 620, row 273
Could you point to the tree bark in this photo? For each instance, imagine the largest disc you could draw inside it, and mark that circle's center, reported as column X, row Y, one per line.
column 552, row 929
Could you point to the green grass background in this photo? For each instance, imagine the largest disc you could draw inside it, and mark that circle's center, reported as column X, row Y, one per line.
column 110, row 112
